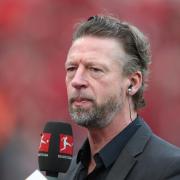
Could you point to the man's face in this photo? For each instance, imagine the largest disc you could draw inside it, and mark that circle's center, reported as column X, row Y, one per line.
column 96, row 87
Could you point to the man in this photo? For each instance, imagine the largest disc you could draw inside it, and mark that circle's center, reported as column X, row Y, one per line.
column 107, row 67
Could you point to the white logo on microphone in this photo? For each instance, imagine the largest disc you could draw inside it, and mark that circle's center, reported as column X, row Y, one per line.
column 65, row 143
column 44, row 140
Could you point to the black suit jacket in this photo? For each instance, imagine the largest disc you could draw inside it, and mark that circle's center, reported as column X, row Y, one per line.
column 145, row 157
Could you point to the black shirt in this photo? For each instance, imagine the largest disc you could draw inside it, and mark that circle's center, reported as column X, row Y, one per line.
column 106, row 157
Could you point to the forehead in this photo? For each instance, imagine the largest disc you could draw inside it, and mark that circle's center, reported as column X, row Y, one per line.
column 95, row 49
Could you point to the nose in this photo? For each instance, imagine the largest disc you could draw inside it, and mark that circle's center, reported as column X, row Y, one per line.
column 79, row 80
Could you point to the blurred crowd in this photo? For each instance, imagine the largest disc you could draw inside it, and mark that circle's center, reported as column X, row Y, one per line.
column 34, row 38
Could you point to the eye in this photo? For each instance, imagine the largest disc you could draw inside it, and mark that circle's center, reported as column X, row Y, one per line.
column 71, row 69
column 94, row 69
column 96, row 72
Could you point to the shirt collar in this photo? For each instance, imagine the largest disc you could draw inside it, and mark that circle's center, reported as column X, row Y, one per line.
column 84, row 154
column 109, row 153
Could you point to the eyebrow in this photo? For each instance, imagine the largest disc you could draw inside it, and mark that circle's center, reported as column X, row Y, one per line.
column 70, row 63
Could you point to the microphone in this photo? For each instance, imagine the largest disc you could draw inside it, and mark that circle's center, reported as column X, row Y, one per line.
column 55, row 149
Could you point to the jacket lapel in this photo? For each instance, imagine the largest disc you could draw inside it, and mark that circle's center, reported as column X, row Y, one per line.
column 121, row 167
column 127, row 159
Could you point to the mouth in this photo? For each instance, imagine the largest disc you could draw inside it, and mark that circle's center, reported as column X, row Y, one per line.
column 81, row 102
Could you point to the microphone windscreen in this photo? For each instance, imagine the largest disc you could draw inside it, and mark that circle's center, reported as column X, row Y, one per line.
column 56, row 148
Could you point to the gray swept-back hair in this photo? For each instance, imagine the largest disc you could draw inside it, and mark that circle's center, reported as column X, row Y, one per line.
column 134, row 42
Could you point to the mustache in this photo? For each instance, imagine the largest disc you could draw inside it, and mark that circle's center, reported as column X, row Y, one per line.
column 80, row 96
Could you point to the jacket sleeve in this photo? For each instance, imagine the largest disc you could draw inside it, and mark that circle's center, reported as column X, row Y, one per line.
column 172, row 172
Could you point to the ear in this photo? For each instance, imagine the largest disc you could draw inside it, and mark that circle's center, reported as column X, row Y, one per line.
column 135, row 80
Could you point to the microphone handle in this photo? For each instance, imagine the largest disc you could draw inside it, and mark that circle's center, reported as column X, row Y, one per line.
column 51, row 175
column 51, row 178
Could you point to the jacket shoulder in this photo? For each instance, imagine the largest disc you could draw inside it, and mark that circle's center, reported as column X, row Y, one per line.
column 159, row 159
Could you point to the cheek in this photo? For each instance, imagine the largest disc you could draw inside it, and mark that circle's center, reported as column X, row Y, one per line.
column 67, row 81
column 112, row 89
column 68, row 89
column 105, row 91
column 68, row 84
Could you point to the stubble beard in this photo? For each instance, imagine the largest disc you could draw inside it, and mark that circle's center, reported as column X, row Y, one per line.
column 98, row 116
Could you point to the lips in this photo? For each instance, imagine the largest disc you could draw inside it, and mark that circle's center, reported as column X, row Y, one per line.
column 81, row 101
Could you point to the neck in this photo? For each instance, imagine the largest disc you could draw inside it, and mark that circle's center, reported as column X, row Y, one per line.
column 99, row 137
